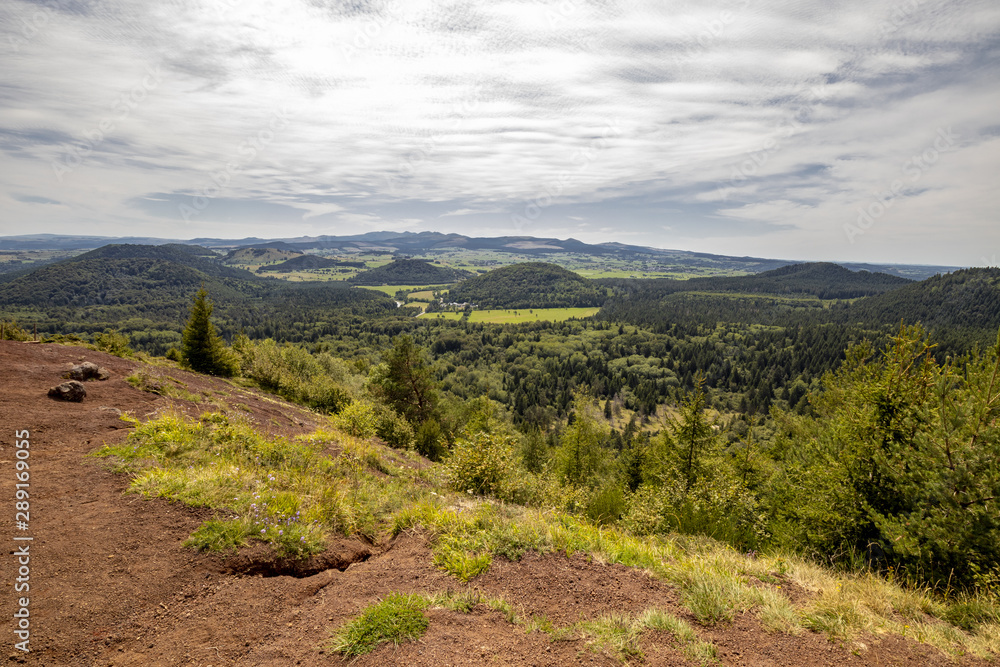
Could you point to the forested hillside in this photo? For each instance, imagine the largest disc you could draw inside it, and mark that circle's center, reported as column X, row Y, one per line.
column 969, row 298
column 822, row 280
column 308, row 262
column 147, row 291
column 529, row 285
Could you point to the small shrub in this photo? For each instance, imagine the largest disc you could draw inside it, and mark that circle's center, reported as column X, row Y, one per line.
column 395, row 619
column 393, row 429
column 427, row 440
column 463, row 565
column 483, row 463
column 11, row 331
column 114, row 342
column 216, row 535
column 358, row 419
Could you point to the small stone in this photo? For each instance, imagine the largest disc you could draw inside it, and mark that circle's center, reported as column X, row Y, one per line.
column 88, row 370
column 68, row 391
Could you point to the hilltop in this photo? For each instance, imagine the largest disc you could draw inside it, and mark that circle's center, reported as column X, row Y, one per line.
column 529, row 285
column 308, row 263
column 258, row 255
column 966, row 298
column 820, row 279
column 408, row 272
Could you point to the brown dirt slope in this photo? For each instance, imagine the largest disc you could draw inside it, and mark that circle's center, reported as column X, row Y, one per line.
column 112, row 585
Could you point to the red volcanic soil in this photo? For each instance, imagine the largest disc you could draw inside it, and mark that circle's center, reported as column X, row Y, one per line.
column 110, row 583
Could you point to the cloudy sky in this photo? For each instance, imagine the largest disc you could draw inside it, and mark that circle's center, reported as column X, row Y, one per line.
column 863, row 130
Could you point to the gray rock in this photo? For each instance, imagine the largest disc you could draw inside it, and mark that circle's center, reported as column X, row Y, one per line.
column 68, row 391
column 88, row 371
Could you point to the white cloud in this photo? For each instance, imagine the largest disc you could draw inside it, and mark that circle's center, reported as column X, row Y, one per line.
column 737, row 125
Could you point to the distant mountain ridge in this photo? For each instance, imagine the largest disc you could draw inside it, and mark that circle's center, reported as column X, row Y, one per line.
column 428, row 242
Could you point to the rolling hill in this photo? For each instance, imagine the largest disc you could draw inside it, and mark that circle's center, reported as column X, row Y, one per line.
column 257, row 255
column 820, row 279
column 432, row 243
column 968, row 298
column 529, row 285
column 308, row 263
column 147, row 289
column 409, row 272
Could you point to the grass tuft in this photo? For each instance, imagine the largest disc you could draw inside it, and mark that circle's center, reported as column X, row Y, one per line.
column 396, row 618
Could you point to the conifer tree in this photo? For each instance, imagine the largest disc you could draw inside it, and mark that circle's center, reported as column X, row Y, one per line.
column 403, row 381
column 202, row 349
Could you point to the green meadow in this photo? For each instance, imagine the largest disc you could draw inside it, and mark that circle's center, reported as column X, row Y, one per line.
column 526, row 315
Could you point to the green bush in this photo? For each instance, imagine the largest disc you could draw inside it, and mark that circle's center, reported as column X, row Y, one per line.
column 358, row 419
column 114, row 342
column 11, row 331
column 483, row 463
column 900, row 463
column 607, row 504
column 428, row 440
column 318, row 381
column 393, row 429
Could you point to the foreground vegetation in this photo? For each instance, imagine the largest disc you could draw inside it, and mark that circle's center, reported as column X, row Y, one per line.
column 292, row 495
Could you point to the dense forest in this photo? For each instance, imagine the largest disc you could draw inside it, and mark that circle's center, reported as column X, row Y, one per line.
column 529, row 285
column 822, row 280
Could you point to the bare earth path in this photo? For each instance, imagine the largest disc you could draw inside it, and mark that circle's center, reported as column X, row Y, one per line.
column 110, row 583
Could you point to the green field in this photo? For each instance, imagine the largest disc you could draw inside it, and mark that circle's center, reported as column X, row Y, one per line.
column 527, row 315
column 392, row 289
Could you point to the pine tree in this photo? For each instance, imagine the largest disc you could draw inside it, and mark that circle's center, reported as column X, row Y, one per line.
column 202, row 349
column 403, row 381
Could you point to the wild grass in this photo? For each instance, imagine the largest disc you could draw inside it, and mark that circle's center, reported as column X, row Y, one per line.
column 162, row 385
column 395, row 619
column 282, row 492
column 291, row 494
